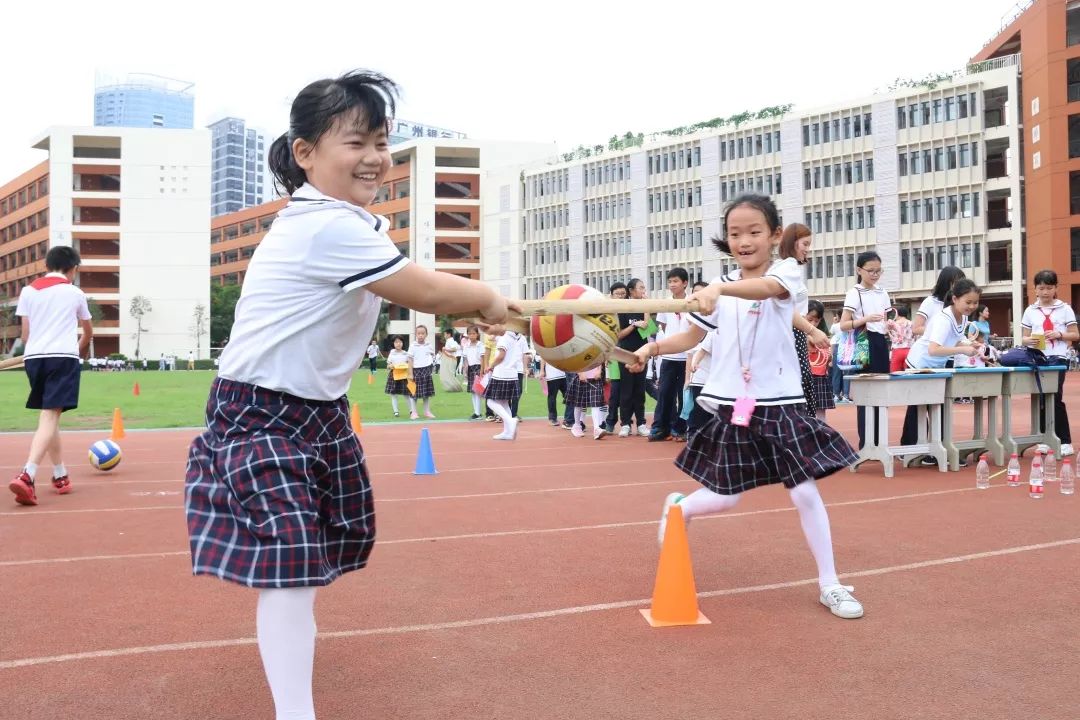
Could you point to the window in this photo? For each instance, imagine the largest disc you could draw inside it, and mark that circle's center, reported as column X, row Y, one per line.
column 1074, row 193
column 1074, row 242
column 1072, row 25
column 905, row 260
column 901, row 118
column 903, row 212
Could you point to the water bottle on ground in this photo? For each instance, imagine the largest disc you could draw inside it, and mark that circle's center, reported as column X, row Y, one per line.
column 1050, row 473
column 1066, row 480
column 982, row 474
column 1013, row 477
column 1035, row 481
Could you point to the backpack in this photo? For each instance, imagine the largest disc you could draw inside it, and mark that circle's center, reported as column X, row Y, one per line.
column 1026, row 357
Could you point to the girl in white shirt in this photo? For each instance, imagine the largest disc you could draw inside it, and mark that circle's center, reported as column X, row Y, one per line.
column 373, row 356
column 423, row 365
column 473, row 353
column 865, row 306
column 278, row 495
column 760, row 433
column 1056, row 322
column 503, row 386
column 398, row 360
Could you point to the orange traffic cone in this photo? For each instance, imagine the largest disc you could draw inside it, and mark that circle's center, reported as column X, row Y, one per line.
column 117, row 426
column 355, row 418
column 674, row 600
column 370, row 379
column 135, row 390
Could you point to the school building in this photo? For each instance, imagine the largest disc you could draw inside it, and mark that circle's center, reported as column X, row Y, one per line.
column 928, row 175
column 135, row 203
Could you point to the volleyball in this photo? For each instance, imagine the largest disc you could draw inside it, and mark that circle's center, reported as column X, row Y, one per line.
column 105, row 455
column 574, row 343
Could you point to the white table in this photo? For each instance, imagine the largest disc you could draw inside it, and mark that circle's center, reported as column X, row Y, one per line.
column 1021, row 381
column 879, row 392
column 984, row 385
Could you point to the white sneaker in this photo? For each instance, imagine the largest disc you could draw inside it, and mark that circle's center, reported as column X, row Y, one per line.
column 1066, row 450
column 624, row 431
column 509, row 431
column 841, row 602
column 671, row 499
column 642, row 431
column 576, row 431
column 599, row 433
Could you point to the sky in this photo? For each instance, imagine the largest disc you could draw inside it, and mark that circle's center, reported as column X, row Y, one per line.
column 555, row 71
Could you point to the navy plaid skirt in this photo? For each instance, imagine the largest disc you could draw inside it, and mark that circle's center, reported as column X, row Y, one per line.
column 502, row 389
column 823, row 392
column 473, row 373
column 584, row 393
column 395, row 387
column 782, row 445
column 425, row 386
column 277, row 491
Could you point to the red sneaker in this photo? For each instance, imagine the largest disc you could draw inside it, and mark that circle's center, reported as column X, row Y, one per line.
column 62, row 485
column 23, row 487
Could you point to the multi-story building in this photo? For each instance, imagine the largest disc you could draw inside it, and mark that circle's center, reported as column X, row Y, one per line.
column 928, row 175
column 135, row 204
column 1045, row 35
column 234, row 237
column 238, row 166
column 406, row 131
column 144, row 101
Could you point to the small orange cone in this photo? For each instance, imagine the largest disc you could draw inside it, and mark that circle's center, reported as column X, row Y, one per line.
column 355, row 417
column 117, row 426
column 370, row 379
column 135, row 390
column 674, row 600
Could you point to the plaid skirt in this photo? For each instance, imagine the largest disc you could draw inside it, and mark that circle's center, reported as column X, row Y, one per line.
column 803, row 351
column 502, row 389
column 277, row 492
column 425, row 386
column 395, row 387
column 473, row 371
column 585, row 393
column 782, row 445
column 823, row 392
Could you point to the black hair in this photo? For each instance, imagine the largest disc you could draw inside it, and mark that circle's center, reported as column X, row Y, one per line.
column 395, row 338
column 978, row 311
column 368, row 95
column 632, row 283
column 615, row 286
column 866, row 256
column 962, row 287
column 904, row 311
column 1043, row 277
column 945, row 280
column 678, row 273
column 62, row 259
column 818, row 307
column 701, row 283
column 760, row 203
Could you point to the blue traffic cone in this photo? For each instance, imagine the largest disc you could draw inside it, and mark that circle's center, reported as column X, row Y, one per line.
column 425, row 461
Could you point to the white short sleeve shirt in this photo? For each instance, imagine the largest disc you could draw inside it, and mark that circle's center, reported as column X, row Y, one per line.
column 868, row 301
column 54, row 313
column 1060, row 316
column 304, row 312
column 510, row 366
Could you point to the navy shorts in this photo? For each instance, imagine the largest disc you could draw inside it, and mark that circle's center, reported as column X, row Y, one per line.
column 54, row 383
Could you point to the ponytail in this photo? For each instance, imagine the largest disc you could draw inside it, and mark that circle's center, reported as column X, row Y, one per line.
column 288, row 174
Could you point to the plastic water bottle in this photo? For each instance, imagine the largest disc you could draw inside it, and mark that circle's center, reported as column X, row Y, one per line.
column 1067, row 482
column 1013, row 477
column 1035, row 482
column 982, row 474
column 1050, row 467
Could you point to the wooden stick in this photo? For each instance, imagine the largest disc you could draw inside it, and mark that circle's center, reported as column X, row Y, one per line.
column 12, row 363
column 600, row 306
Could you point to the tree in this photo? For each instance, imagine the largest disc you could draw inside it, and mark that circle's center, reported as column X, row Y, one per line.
column 7, row 318
column 96, row 316
column 140, row 308
column 222, row 310
column 199, row 322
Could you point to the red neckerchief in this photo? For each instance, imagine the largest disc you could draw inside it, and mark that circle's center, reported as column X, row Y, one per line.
column 43, row 283
column 1048, row 324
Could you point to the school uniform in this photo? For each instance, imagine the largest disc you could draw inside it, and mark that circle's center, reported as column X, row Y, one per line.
column 51, row 357
column 277, row 488
column 503, row 384
column 699, row 416
column 631, row 393
column 860, row 302
column 586, row 392
column 945, row 330
column 556, row 383
column 801, row 301
column 782, row 444
column 473, row 352
column 423, row 357
column 373, row 356
column 1058, row 316
column 672, row 378
column 396, row 387
column 523, row 351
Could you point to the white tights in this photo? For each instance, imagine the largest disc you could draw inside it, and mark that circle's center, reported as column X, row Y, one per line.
column 285, row 626
column 500, row 408
column 812, row 515
column 597, row 416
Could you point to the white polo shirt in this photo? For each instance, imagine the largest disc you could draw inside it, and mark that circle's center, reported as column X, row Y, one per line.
column 552, row 373
column 868, row 301
column 474, row 351
column 510, row 366
column 802, row 295
column 930, row 307
column 54, row 312
column 1061, row 316
column 674, row 323
column 769, row 351
column 701, row 375
column 942, row 329
column 422, row 354
column 304, row 311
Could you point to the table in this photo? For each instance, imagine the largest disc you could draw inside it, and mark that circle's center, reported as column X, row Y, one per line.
column 984, row 385
column 879, row 392
column 1021, row 381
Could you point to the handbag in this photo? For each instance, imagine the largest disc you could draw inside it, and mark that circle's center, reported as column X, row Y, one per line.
column 853, row 350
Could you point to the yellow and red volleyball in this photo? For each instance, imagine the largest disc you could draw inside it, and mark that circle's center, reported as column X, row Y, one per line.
column 574, row 343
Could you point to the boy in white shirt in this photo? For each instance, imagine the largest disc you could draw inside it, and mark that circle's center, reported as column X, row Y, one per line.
column 51, row 309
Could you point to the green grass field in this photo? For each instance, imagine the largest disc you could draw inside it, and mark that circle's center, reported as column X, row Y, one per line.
column 177, row 399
